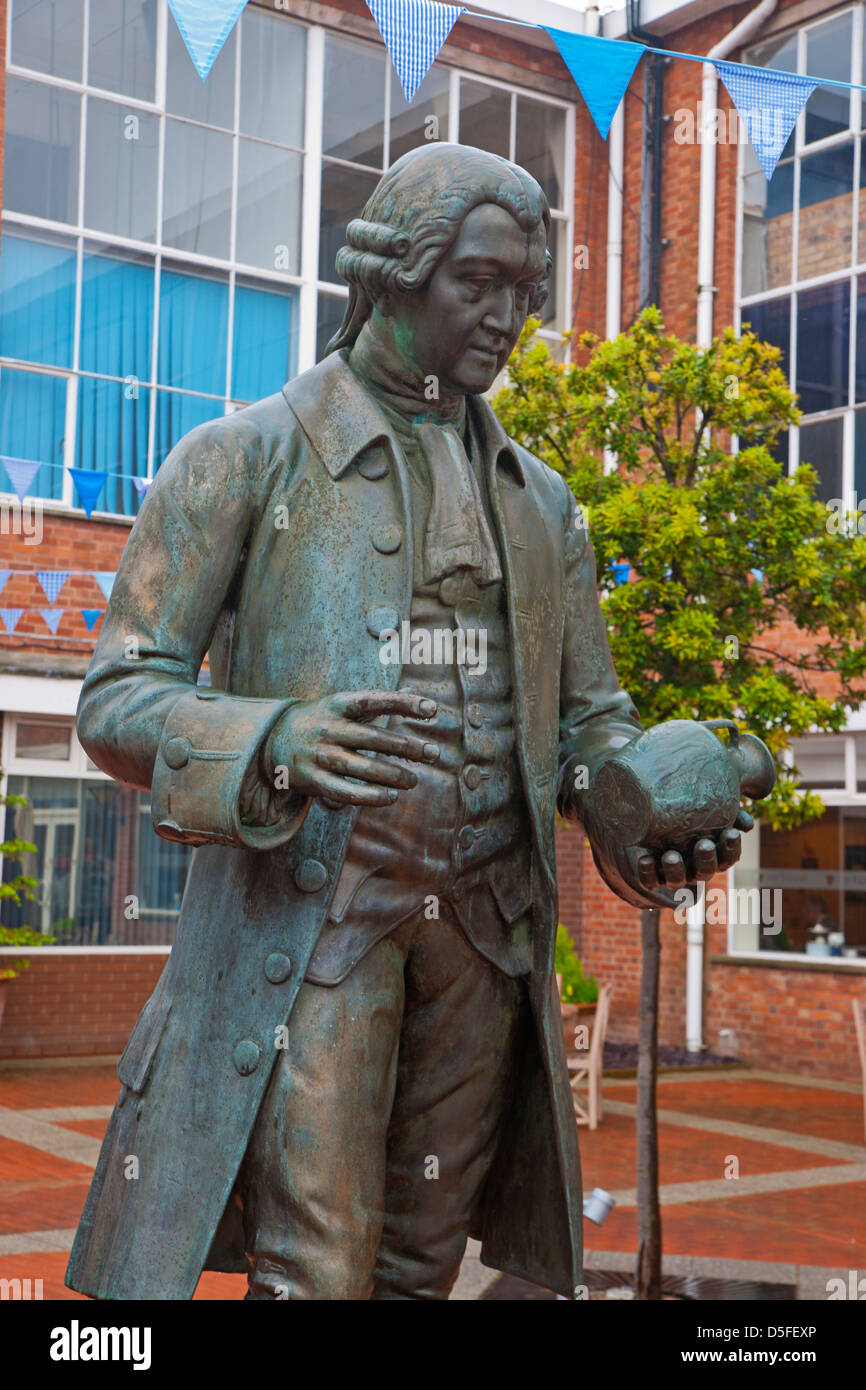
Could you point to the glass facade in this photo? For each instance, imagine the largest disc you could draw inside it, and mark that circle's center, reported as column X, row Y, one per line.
column 168, row 245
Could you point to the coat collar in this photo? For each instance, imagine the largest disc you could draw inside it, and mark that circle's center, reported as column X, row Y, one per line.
column 341, row 419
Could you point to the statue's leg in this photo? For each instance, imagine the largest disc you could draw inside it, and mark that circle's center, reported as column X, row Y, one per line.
column 312, row 1183
column 456, row 1071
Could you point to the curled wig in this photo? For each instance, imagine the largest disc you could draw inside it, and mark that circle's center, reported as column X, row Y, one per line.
column 415, row 215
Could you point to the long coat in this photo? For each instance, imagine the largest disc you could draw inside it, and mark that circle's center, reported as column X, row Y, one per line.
column 275, row 540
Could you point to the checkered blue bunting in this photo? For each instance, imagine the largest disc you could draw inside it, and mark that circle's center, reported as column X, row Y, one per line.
column 204, row 27
column 768, row 103
column 414, row 31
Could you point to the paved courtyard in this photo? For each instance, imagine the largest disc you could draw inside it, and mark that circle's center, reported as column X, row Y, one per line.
column 792, row 1211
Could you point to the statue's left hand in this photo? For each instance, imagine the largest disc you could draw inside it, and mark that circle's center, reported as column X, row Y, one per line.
column 648, row 877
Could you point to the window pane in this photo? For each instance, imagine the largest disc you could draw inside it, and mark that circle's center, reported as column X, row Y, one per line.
column 123, row 46
column 211, row 102
column 354, row 101
column 803, row 865
column 269, row 207
column 860, row 352
column 193, row 332
column 821, row 761
column 821, row 445
column 37, row 300
column 32, row 426
column 112, row 438
column 767, row 225
column 46, row 35
column 40, row 175
column 264, row 341
column 554, row 310
column 198, row 182
column 120, row 170
column 824, row 239
column 425, row 120
column 273, row 77
column 329, row 320
column 541, row 146
column 828, row 54
column 485, row 117
column 860, row 461
column 771, row 322
column 176, row 415
column 780, row 54
column 823, row 316
column 344, row 193
column 116, row 315
column 44, row 741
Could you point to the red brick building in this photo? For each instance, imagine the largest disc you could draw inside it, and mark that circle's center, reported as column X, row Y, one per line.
column 167, row 254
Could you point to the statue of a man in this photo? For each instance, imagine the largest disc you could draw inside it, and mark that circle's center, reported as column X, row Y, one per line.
column 354, row 1056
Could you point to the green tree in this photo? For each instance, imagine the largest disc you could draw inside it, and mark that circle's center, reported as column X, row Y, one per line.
column 725, row 555
column 12, row 890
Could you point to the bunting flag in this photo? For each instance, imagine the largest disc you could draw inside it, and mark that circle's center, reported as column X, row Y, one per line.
column 105, row 579
column 52, row 617
column 52, row 582
column 768, row 103
column 90, row 616
column 10, row 617
column 89, row 483
column 602, row 69
column 21, row 474
column 204, row 27
column 414, row 31
column 621, row 573
column 141, row 485
column 4, row 575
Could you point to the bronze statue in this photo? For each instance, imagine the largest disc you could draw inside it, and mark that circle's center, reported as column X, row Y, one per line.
column 354, row 1056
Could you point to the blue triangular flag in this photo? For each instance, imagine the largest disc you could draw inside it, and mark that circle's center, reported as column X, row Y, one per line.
column 4, row 575
column 621, row 573
column 91, row 616
column 414, row 31
column 105, row 579
column 10, row 617
column 768, row 103
column 21, row 474
column 602, row 69
column 52, row 617
column 89, row 483
column 204, row 27
column 141, row 485
column 52, row 582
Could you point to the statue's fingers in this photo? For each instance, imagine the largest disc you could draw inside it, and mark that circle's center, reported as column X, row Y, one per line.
column 744, row 821
column 647, row 872
column 730, row 847
column 370, row 704
column 379, row 770
column 673, row 869
column 706, row 860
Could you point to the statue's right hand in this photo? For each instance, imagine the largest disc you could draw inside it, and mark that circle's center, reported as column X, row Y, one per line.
column 329, row 746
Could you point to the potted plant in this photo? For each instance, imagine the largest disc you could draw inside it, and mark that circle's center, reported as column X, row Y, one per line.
column 578, row 993
column 13, row 889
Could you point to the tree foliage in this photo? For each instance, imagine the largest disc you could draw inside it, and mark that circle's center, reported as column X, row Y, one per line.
column 743, row 599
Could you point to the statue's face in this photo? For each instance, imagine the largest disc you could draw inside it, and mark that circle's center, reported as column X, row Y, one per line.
column 463, row 324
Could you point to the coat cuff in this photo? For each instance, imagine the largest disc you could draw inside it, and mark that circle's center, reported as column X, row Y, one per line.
column 207, row 758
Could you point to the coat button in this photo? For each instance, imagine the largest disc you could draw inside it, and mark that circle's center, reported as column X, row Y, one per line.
column 387, row 539
column 277, row 968
column 450, row 590
column 246, row 1056
column 466, row 838
column 381, row 620
column 177, row 751
column 373, row 467
column 475, row 715
column 310, row 875
column 472, row 776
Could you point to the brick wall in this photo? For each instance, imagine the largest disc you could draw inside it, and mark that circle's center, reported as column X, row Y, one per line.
column 76, row 1005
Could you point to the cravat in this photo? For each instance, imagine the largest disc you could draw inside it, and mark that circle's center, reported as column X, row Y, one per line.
column 457, row 534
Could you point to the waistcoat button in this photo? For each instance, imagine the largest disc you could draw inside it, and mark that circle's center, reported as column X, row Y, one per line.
column 466, row 838
column 246, row 1056
column 177, row 751
column 381, row 620
column 472, row 776
column 277, row 968
column 310, row 875
column 387, row 539
column 373, row 467
column 475, row 715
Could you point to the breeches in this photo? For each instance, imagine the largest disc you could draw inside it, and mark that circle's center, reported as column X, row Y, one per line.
column 381, row 1120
